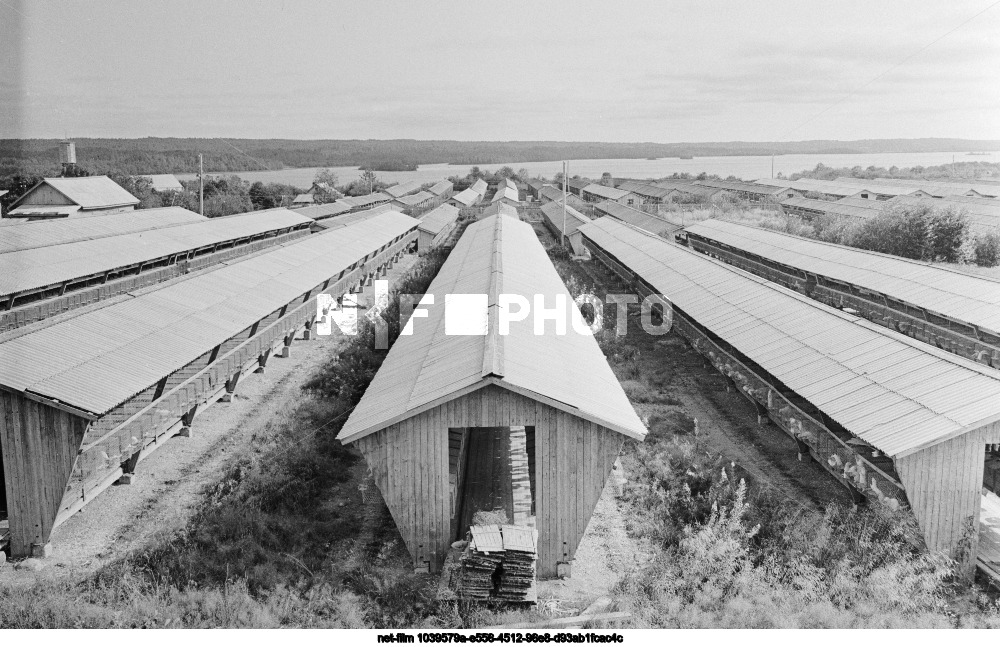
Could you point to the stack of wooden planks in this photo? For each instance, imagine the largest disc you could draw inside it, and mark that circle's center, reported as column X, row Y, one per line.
column 481, row 562
column 517, row 571
column 499, row 564
column 520, row 478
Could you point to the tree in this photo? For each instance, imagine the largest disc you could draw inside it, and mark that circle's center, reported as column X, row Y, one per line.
column 17, row 186
column 606, row 179
column 946, row 235
column 326, row 176
column 261, row 197
column 139, row 186
column 986, row 252
column 369, row 178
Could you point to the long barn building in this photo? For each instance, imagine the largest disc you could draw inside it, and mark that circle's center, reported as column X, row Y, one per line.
column 84, row 398
column 59, row 267
column 952, row 310
column 437, row 419
column 893, row 419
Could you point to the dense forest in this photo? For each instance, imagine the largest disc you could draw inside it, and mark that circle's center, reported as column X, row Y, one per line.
column 173, row 155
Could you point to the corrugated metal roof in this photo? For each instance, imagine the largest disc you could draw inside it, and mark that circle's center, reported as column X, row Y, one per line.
column 414, row 199
column 441, row 187
column 555, row 194
column 850, row 207
column 322, row 211
column 93, row 192
column 506, row 192
column 480, row 187
column 437, row 219
column 352, row 217
column 553, row 213
column 935, row 188
column 468, row 197
column 499, row 207
column 403, row 188
column 497, row 255
column 28, row 235
column 646, row 190
column 688, row 187
column 964, row 297
column 577, row 183
column 98, row 360
column 30, row 269
column 606, row 192
column 641, row 219
column 896, row 393
column 165, row 182
column 746, row 187
column 364, row 200
column 303, row 198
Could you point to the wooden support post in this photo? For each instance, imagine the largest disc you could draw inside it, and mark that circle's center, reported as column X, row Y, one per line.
column 762, row 418
column 231, row 383
column 803, row 449
column 128, row 470
column 286, row 350
column 262, row 361
column 41, row 551
column 307, row 333
column 186, row 422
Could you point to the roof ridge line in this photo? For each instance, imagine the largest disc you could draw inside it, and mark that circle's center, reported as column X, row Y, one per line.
column 493, row 351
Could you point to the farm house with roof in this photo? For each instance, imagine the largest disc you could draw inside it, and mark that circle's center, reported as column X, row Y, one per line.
column 441, row 404
column 63, row 197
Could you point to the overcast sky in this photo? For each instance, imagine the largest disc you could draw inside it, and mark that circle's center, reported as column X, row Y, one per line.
column 611, row 70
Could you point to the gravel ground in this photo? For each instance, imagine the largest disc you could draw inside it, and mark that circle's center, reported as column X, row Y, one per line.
column 170, row 481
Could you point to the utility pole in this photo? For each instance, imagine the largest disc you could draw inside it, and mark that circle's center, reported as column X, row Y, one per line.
column 565, row 179
column 201, row 184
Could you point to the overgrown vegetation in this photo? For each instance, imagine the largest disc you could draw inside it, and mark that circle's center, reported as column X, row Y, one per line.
column 726, row 554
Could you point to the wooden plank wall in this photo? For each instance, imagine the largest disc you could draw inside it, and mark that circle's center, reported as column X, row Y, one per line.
column 410, row 462
column 944, row 485
column 40, row 445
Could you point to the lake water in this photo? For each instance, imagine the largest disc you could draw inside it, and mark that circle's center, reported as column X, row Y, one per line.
column 745, row 167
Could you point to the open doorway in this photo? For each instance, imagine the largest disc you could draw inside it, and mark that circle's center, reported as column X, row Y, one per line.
column 491, row 471
column 989, row 529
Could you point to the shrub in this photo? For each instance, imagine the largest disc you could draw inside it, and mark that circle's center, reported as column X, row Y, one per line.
column 948, row 229
column 986, row 250
column 900, row 231
column 920, row 232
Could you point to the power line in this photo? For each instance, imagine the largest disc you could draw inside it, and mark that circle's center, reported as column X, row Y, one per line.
column 890, row 69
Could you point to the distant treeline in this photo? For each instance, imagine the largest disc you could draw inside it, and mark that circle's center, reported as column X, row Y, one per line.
column 175, row 155
column 958, row 170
